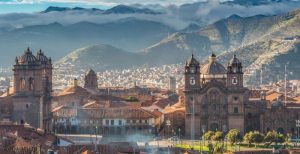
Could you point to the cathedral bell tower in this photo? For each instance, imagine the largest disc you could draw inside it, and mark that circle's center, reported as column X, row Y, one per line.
column 32, row 76
column 192, row 85
column 192, row 74
column 237, row 94
column 235, row 73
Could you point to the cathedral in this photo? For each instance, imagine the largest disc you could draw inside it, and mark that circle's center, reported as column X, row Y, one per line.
column 214, row 96
column 216, row 100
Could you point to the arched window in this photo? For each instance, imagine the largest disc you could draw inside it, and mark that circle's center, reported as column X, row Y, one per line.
column 31, row 83
column 215, row 107
column 22, row 84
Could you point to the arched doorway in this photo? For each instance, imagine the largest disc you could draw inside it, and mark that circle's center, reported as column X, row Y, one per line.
column 214, row 127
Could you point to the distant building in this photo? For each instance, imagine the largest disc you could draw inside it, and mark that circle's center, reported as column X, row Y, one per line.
column 90, row 80
column 172, row 83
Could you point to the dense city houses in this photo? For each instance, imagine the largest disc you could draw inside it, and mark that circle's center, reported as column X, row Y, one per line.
column 212, row 97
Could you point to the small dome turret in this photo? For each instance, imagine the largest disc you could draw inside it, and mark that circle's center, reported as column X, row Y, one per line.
column 192, row 61
column 234, row 61
column 27, row 58
column 41, row 57
column 234, row 65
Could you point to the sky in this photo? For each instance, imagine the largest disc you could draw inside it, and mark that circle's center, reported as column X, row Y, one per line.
column 9, row 6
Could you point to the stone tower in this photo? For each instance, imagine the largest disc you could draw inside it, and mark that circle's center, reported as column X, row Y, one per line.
column 172, row 83
column 235, row 73
column 32, row 76
column 237, row 95
column 192, row 86
column 90, row 80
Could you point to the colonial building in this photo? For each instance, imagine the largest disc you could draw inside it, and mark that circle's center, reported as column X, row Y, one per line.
column 109, row 118
column 214, row 96
column 30, row 96
column 216, row 99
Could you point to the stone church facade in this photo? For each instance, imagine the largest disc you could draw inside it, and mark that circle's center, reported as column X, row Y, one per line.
column 216, row 100
column 214, row 96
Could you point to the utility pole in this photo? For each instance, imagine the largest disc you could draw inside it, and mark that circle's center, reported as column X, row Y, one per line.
column 261, row 76
column 297, row 125
column 285, row 78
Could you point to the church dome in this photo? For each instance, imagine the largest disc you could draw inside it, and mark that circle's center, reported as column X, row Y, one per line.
column 192, row 61
column 41, row 57
column 27, row 58
column 213, row 67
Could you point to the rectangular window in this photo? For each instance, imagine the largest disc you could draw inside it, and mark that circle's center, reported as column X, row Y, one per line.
column 112, row 122
column 236, row 110
column 215, row 107
column 120, row 122
column 107, row 122
column 133, row 121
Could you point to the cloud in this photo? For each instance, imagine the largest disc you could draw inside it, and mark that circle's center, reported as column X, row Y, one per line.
column 215, row 11
column 175, row 16
column 103, row 2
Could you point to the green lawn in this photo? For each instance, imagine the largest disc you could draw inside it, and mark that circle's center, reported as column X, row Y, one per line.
column 196, row 147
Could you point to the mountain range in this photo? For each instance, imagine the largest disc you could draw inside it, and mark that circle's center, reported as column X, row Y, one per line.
column 156, row 35
column 261, row 42
column 119, row 9
column 128, row 34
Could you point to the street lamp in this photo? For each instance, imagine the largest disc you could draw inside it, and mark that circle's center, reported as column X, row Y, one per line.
column 168, row 124
column 96, row 139
column 297, row 125
column 179, row 135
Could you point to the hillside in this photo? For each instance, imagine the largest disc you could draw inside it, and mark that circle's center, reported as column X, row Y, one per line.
column 226, row 35
column 267, row 42
column 100, row 57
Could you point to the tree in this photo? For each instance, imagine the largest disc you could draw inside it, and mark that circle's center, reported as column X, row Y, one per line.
column 253, row 137
column 210, row 148
column 208, row 135
column 219, row 148
column 274, row 137
column 258, row 137
column 233, row 136
column 281, row 138
column 218, row 136
column 270, row 137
